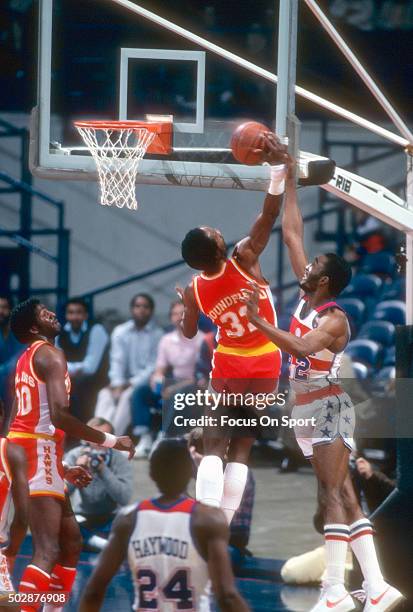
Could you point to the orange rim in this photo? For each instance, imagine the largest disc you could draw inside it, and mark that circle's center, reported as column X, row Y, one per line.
column 119, row 125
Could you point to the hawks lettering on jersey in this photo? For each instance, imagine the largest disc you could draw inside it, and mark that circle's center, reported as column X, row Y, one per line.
column 219, row 297
column 322, row 364
column 33, row 414
column 168, row 572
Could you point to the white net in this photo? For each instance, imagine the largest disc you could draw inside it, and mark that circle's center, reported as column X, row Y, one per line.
column 117, row 151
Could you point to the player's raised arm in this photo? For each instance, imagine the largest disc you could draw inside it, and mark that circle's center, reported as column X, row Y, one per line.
column 332, row 327
column 189, row 321
column 50, row 365
column 109, row 562
column 250, row 248
column 293, row 227
column 212, row 533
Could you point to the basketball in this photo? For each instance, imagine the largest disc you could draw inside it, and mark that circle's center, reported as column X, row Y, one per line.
column 245, row 139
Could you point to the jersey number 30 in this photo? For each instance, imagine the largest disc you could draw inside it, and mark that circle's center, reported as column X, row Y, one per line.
column 176, row 590
column 24, row 400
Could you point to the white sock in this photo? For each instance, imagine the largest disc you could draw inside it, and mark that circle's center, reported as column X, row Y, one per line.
column 235, row 479
column 210, row 481
column 362, row 545
column 336, row 538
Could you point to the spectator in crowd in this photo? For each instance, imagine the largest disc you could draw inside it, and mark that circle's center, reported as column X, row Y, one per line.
column 204, row 361
column 174, row 371
column 86, row 348
column 133, row 353
column 95, row 506
column 10, row 350
column 374, row 484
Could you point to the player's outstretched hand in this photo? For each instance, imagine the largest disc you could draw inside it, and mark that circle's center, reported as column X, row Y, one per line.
column 272, row 150
column 78, row 476
column 251, row 298
column 124, row 443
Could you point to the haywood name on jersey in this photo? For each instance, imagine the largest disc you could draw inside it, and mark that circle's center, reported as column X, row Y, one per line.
column 157, row 545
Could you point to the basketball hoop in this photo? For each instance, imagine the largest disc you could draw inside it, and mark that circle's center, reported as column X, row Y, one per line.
column 117, row 148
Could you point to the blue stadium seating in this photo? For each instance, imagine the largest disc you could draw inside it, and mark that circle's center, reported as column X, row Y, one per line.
column 355, row 310
column 365, row 351
column 382, row 263
column 390, row 356
column 363, row 285
column 394, row 291
column 361, row 370
column 391, row 310
column 379, row 331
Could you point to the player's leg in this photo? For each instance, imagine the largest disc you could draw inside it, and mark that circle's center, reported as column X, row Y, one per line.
column 70, row 542
column 330, row 462
column 210, row 475
column 235, row 475
column 45, row 519
column 380, row 595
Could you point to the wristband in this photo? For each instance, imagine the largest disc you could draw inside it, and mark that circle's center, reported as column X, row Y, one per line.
column 277, row 183
column 110, row 440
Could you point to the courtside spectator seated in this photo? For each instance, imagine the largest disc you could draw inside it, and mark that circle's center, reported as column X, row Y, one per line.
column 174, row 372
column 86, row 348
column 133, row 353
column 95, row 506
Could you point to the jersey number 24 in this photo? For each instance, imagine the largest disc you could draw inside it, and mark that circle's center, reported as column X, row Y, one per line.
column 175, row 590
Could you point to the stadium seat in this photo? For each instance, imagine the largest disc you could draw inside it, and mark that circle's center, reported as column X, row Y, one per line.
column 360, row 369
column 365, row 351
column 395, row 290
column 390, row 357
column 355, row 310
column 379, row 331
column 363, row 285
column 391, row 310
column 385, row 374
column 382, row 263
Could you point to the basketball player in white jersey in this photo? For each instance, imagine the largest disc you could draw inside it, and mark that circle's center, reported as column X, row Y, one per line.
column 318, row 335
column 40, row 420
column 174, row 546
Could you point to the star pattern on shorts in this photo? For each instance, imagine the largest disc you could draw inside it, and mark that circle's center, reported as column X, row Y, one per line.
column 347, row 404
column 330, row 405
column 326, row 432
column 328, row 418
column 347, row 420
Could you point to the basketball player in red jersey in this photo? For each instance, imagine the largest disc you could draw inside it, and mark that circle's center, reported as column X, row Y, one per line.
column 14, row 491
column 318, row 335
column 244, row 360
column 42, row 418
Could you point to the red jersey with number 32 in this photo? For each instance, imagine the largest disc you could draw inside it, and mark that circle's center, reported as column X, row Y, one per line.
column 33, row 414
column 219, row 297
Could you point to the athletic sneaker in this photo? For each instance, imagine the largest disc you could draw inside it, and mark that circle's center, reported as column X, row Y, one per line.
column 143, row 448
column 334, row 599
column 384, row 600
